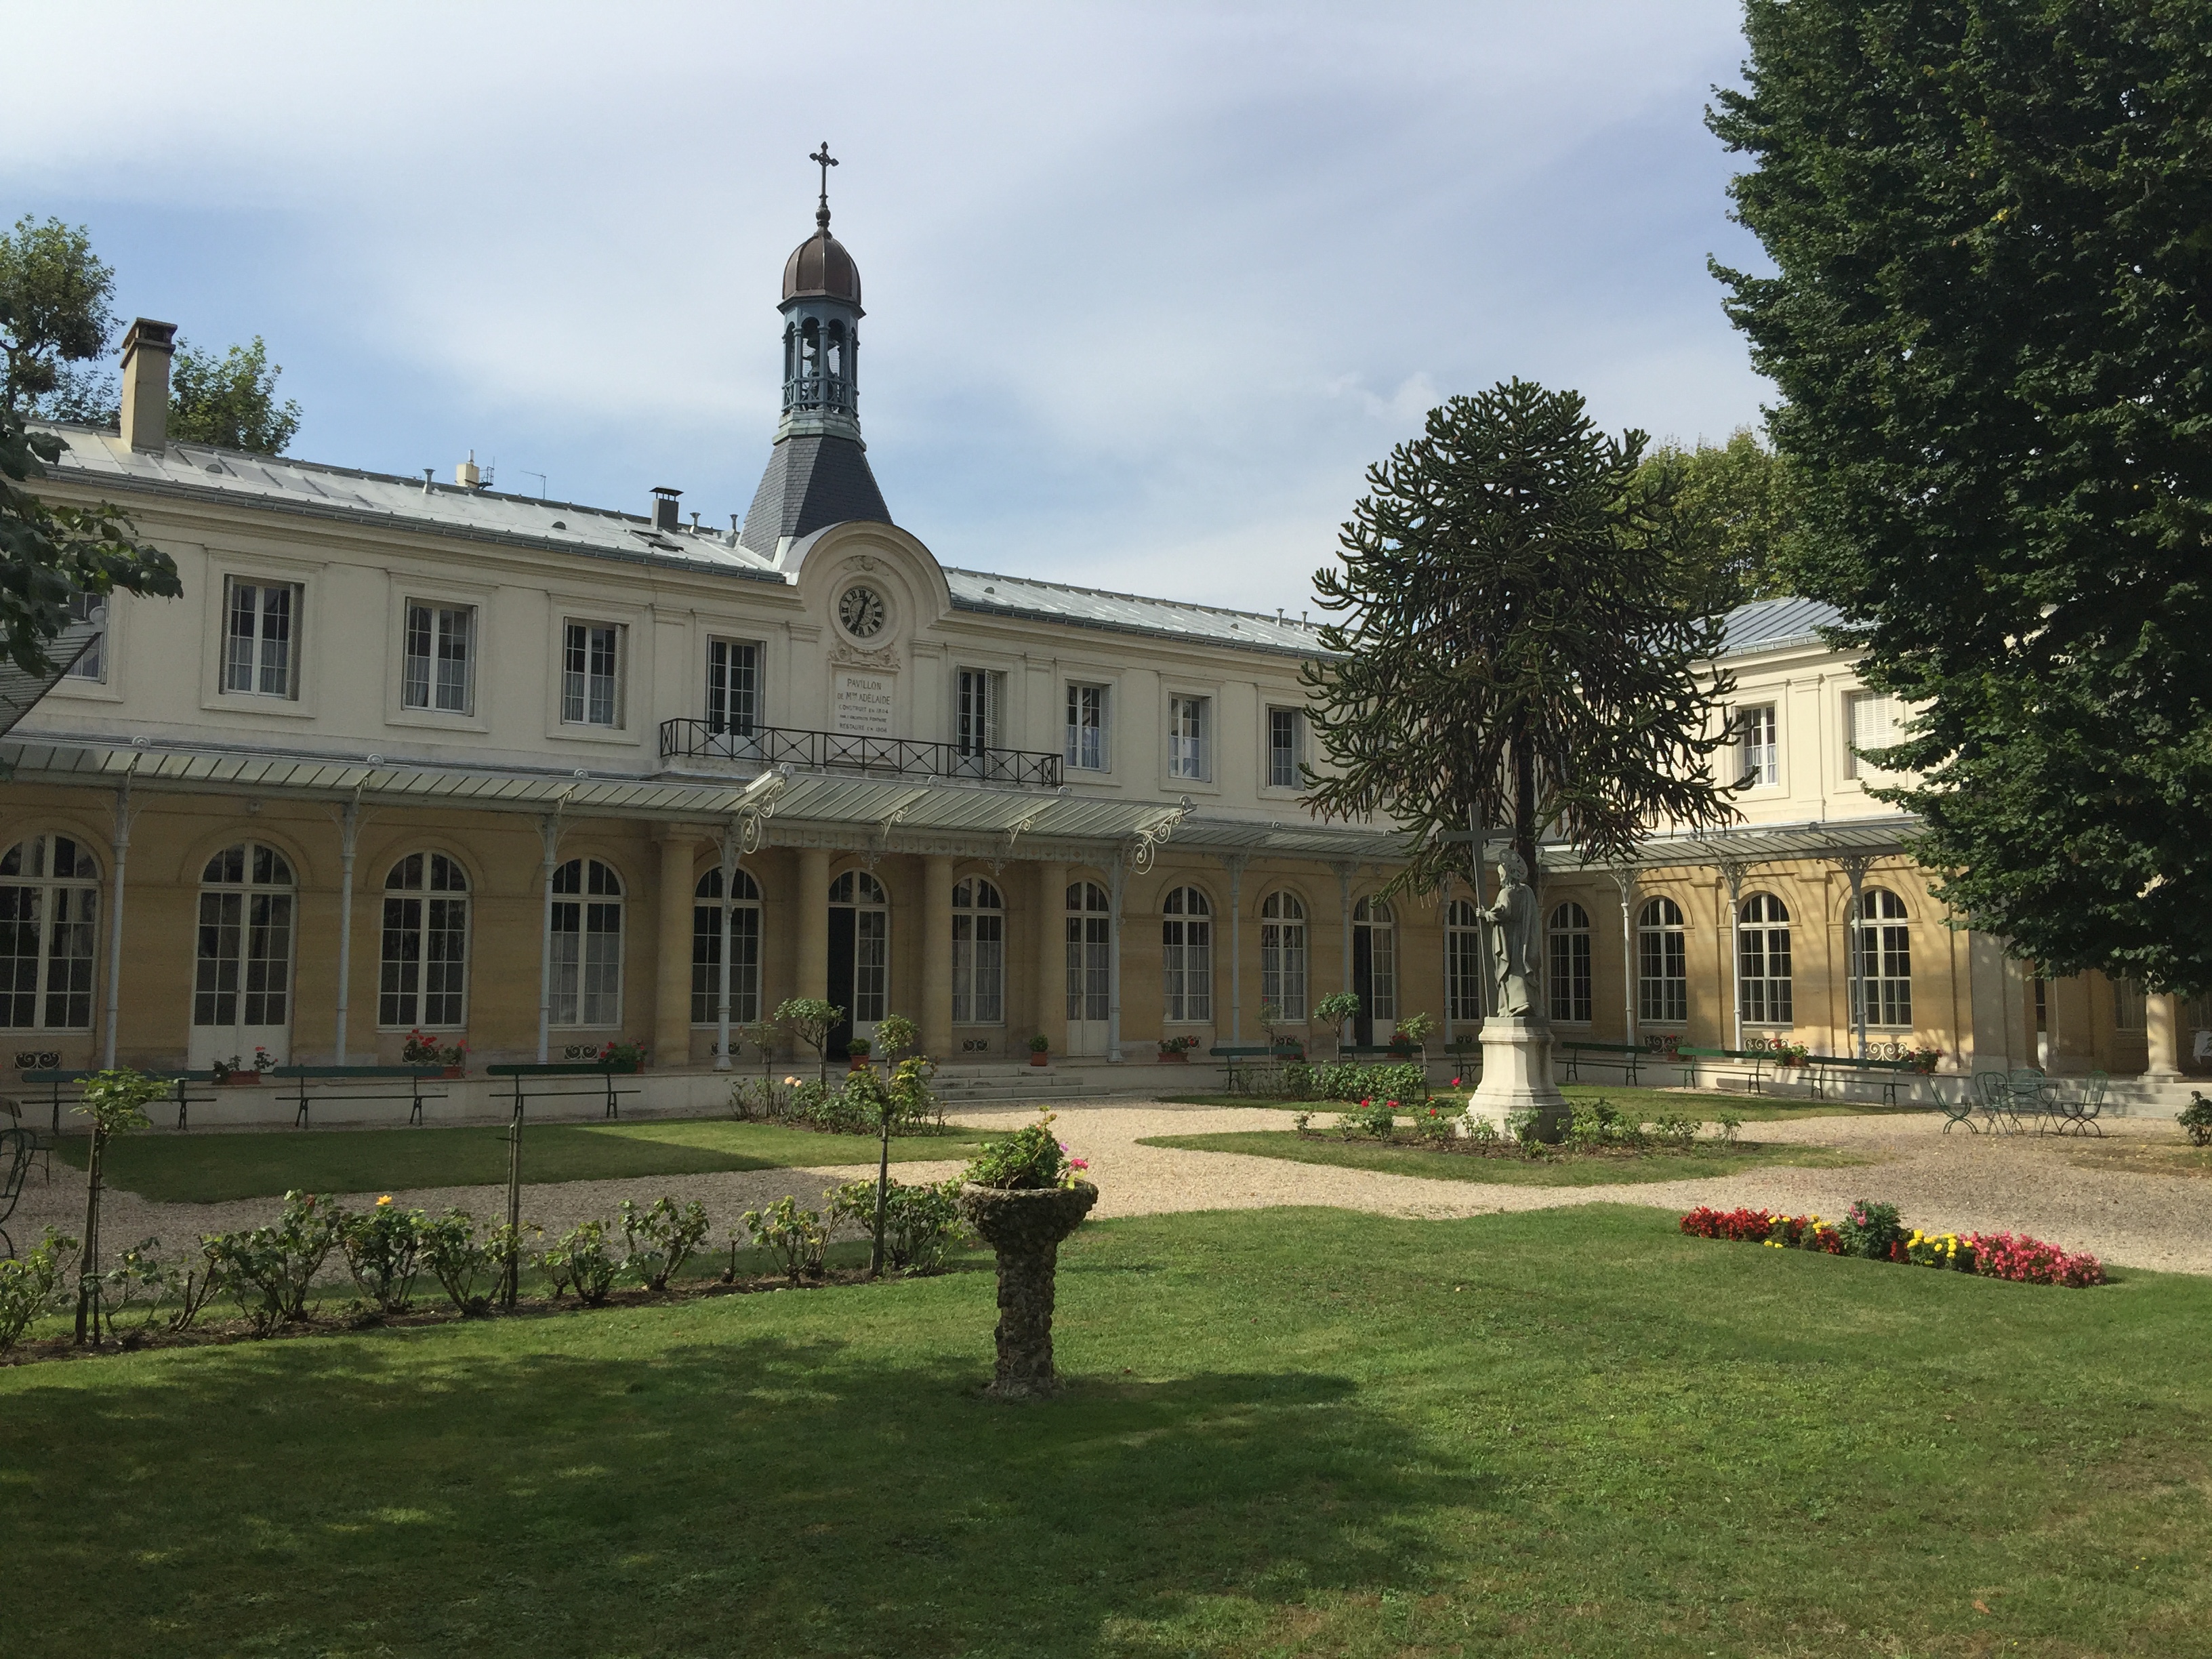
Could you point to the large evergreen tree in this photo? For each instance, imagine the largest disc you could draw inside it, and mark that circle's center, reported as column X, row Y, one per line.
column 1991, row 225
column 1521, row 643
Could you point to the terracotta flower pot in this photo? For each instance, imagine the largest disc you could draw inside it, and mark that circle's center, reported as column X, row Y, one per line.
column 455, row 1071
column 1025, row 1227
column 240, row 1080
column 856, row 1063
column 1040, row 1059
column 1175, row 1057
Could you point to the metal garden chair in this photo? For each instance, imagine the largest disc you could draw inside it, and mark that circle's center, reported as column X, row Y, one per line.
column 1993, row 1093
column 16, row 1150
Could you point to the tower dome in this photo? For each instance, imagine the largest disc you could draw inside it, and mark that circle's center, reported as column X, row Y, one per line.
column 820, row 269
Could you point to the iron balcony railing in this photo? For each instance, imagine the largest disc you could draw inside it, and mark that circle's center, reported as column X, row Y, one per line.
column 842, row 751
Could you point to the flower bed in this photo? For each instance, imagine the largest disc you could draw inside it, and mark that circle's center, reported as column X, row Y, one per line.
column 1874, row 1232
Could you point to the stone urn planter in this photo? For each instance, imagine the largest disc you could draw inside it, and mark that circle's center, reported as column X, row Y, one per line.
column 1025, row 1227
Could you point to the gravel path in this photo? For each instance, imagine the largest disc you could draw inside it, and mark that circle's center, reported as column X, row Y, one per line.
column 2021, row 1183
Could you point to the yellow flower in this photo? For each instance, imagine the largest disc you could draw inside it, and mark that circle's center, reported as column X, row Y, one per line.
column 385, row 1199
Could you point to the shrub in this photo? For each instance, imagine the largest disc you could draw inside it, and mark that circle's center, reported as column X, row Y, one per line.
column 920, row 1223
column 1404, row 1081
column 1676, row 1132
column 898, row 1034
column 658, row 1240
column 1376, row 1120
column 798, row 1236
column 579, row 1261
column 2196, row 1118
column 915, row 1108
column 1871, row 1230
column 1030, row 1158
column 449, row 1248
column 1482, row 1132
column 383, row 1249
column 271, row 1270
column 1730, row 1123
column 1596, row 1125
column 1295, row 1080
column 1938, row 1250
column 1436, row 1127
column 137, row 1279
column 30, row 1285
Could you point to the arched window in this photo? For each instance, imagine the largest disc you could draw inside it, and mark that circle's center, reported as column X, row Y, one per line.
column 49, row 924
column 1881, row 959
column 1186, row 957
column 1762, row 955
column 1463, row 959
column 1567, row 950
column 1662, row 964
column 1283, row 956
column 866, row 986
column 979, row 954
column 1374, row 964
column 1089, row 941
column 425, row 978
column 242, row 971
column 707, row 949
column 587, row 945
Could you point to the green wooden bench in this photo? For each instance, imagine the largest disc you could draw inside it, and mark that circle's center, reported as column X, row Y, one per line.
column 1626, row 1055
column 1376, row 1051
column 1238, row 1063
column 1823, row 1069
column 525, row 1077
column 1757, row 1060
column 56, row 1081
column 412, row 1075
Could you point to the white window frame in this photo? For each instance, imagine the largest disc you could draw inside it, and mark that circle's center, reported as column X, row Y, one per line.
column 730, row 711
column 1463, row 960
column 92, row 666
column 979, row 706
column 1090, row 745
column 579, row 1006
column 415, row 1015
column 707, row 949
column 1285, row 958
column 1886, row 991
column 979, row 952
column 46, row 890
column 1763, row 946
column 425, row 691
column 1758, row 745
column 257, row 669
column 1185, row 956
column 1662, row 940
column 575, row 687
column 1296, row 717
column 1570, row 983
column 1190, row 737
column 1854, row 767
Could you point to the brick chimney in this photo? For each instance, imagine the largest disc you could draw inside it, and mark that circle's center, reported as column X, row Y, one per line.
column 147, row 349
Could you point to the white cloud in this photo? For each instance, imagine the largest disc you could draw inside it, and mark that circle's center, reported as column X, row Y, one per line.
column 1148, row 284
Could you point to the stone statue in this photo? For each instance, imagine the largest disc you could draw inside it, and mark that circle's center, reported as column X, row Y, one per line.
column 1514, row 939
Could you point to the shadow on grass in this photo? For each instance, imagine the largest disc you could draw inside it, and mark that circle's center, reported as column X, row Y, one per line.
column 770, row 1495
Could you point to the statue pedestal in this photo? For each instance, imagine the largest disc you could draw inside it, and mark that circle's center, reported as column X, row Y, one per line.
column 1516, row 1075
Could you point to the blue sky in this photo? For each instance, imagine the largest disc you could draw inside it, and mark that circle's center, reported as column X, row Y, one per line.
column 1148, row 286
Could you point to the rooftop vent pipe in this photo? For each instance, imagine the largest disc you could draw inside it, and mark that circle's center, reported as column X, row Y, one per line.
column 147, row 349
column 664, row 507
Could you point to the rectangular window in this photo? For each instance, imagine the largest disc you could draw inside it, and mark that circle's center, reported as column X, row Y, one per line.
column 93, row 665
column 1086, row 727
column 1286, row 731
column 1756, row 748
column 734, row 687
column 1187, row 735
column 260, row 654
column 1871, row 721
column 590, row 685
column 982, row 692
column 439, row 670
column 2128, row 1005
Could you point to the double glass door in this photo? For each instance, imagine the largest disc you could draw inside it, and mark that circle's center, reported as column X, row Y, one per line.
column 242, row 958
column 1090, row 949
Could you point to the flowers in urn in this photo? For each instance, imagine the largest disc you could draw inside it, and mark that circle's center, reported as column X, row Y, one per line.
column 1177, row 1047
column 420, row 1050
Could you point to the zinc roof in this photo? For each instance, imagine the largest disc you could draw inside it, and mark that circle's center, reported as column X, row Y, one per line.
column 1127, row 613
column 1770, row 624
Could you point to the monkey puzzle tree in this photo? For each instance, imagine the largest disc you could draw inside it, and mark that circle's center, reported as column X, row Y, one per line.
column 1524, row 644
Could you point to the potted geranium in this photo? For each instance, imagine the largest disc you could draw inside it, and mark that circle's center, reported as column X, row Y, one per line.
column 1176, row 1050
column 231, row 1074
column 1025, row 1194
column 620, row 1056
column 1040, row 1049
column 419, row 1050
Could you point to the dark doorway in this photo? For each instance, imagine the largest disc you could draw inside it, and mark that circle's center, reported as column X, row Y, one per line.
column 841, row 932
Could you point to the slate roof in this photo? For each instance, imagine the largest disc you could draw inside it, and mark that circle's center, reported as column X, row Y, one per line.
column 313, row 490
column 1125, row 613
column 813, row 480
column 1770, row 624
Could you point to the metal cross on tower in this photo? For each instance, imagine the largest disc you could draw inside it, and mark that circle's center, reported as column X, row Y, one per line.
column 822, row 159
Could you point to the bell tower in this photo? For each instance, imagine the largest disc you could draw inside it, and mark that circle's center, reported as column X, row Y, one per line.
column 817, row 473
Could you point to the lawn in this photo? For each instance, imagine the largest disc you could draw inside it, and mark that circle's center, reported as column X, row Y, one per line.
column 206, row 1168
column 1646, row 1103
column 1311, row 1431
column 1406, row 1159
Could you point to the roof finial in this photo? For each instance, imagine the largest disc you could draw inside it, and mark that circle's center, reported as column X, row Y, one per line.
column 825, row 160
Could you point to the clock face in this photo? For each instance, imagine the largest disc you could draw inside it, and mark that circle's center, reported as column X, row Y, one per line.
column 861, row 610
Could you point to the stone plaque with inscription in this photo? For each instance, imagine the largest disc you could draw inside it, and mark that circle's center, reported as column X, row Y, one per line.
column 863, row 704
